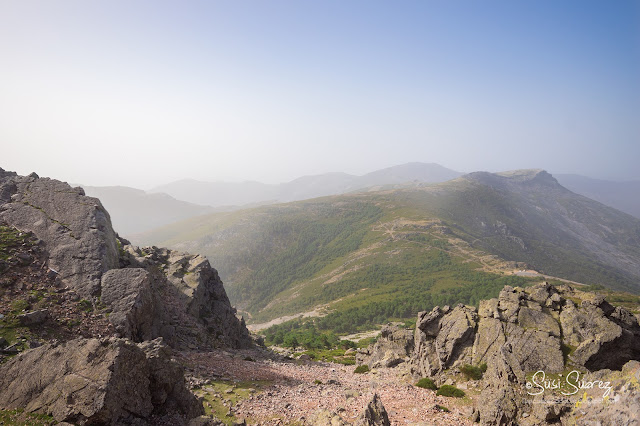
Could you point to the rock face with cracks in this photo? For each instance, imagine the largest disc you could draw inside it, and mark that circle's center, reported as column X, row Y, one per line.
column 92, row 381
column 151, row 296
column 75, row 229
column 150, row 292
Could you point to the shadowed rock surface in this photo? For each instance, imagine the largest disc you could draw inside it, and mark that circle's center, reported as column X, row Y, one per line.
column 92, row 381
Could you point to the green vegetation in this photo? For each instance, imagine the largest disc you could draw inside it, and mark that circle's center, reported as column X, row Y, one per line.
column 296, row 333
column 473, row 372
column 10, row 240
column 369, row 258
column 449, row 390
column 18, row 306
column 216, row 394
column 364, row 368
column 85, row 305
column 442, row 408
column 20, row 418
column 409, row 300
column 426, row 383
column 331, row 355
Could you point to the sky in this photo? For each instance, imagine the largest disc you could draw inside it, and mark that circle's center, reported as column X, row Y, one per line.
column 142, row 93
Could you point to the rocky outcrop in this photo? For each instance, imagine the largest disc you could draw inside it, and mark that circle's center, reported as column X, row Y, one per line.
column 393, row 347
column 148, row 292
column 137, row 294
column 542, row 328
column 75, row 229
column 91, row 381
column 374, row 414
column 443, row 338
column 188, row 305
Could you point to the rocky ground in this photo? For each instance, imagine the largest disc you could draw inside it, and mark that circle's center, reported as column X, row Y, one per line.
column 263, row 389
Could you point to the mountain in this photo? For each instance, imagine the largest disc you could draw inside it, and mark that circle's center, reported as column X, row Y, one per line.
column 370, row 256
column 237, row 194
column 624, row 196
column 133, row 210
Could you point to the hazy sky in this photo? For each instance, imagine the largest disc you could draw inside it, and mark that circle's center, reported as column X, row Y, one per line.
column 141, row 93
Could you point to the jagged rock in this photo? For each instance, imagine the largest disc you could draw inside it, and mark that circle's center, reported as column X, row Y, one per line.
column 93, row 381
column 444, row 338
column 374, row 414
column 524, row 330
column 190, row 305
column 128, row 293
column 75, row 229
column 604, row 337
column 498, row 402
column 394, row 347
column 622, row 406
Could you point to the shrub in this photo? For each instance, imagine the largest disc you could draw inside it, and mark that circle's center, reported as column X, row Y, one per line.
column 448, row 390
column 426, row 383
column 361, row 369
column 317, row 382
column 442, row 408
column 19, row 305
column 473, row 372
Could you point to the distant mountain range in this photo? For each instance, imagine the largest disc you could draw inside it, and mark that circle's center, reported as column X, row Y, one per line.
column 624, row 196
column 387, row 251
column 134, row 211
column 306, row 187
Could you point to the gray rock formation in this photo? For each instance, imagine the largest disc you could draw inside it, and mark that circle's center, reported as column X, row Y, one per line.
column 443, row 338
column 394, row 347
column 189, row 306
column 75, row 229
column 91, row 381
column 152, row 293
column 374, row 414
column 128, row 293
column 146, row 295
column 523, row 331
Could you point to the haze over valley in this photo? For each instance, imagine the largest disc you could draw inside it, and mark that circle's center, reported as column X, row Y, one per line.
column 294, row 213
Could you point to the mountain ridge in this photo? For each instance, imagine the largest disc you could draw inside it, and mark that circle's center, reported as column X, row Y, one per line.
column 281, row 259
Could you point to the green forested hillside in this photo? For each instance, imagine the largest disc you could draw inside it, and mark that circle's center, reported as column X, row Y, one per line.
column 368, row 257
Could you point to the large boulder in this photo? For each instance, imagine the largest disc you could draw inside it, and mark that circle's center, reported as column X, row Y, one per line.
column 444, row 338
column 393, row 347
column 128, row 293
column 75, row 229
column 92, row 381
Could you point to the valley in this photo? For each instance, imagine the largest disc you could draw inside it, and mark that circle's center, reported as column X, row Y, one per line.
column 357, row 260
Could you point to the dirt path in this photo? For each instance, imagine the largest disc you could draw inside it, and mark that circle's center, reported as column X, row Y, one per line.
column 291, row 392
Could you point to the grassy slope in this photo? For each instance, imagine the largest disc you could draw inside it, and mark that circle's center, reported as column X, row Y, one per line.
column 390, row 253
